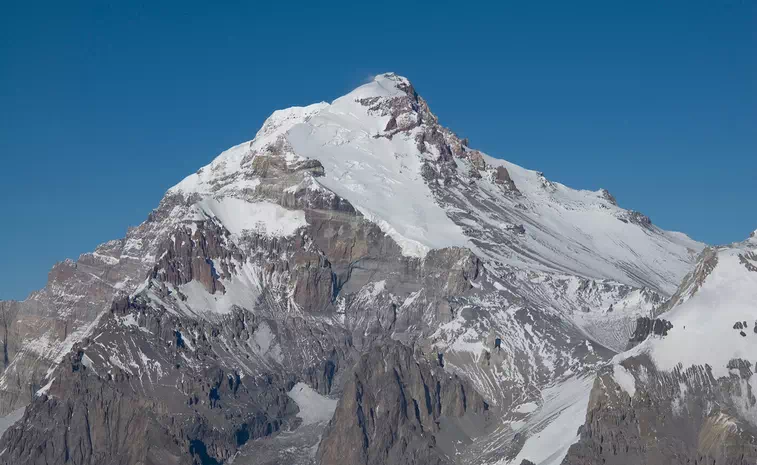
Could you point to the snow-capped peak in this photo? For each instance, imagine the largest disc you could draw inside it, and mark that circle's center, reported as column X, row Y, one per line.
column 382, row 85
column 383, row 150
column 386, row 85
column 380, row 176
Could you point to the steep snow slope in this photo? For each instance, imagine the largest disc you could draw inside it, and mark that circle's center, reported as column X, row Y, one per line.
column 381, row 176
column 580, row 232
column 716, row 322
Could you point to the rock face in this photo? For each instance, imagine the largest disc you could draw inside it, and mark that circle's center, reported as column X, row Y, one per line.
column 682, row 417
column 706, row 263
column 350, row 290
column 646, row 326
column 39, row 331
column 91, row 417
column 395, row 409
column 503, row 177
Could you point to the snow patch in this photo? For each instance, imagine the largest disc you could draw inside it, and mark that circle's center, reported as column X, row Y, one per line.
column 45, row 388
column 554, row 427
column 11, row 419
column 528, row 407
column 262, row 217
column 314, row 407
column 624, row 378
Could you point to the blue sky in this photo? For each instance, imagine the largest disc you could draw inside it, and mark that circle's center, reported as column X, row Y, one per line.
column 103, row 106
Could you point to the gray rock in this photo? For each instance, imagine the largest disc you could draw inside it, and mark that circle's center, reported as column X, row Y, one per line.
column 608, row 196
column 394, row 408
column 677, row 418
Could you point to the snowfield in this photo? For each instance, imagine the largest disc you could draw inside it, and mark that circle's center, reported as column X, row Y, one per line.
column 704, row 325
column 263, row 217
column 314, row 407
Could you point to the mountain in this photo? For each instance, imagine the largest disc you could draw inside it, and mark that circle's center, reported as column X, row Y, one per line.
column 355, row 283
column 686, row 394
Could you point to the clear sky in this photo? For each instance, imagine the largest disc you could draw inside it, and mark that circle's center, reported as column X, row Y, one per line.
column 104, row 106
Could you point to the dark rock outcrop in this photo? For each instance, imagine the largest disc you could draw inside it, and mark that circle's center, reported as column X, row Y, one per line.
column 608, row 196
column 502, row 177
column 639, row 219
column 205, row 255
column 646, row 326
column 394, row 408
column 749, row 260
column 692, row 282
